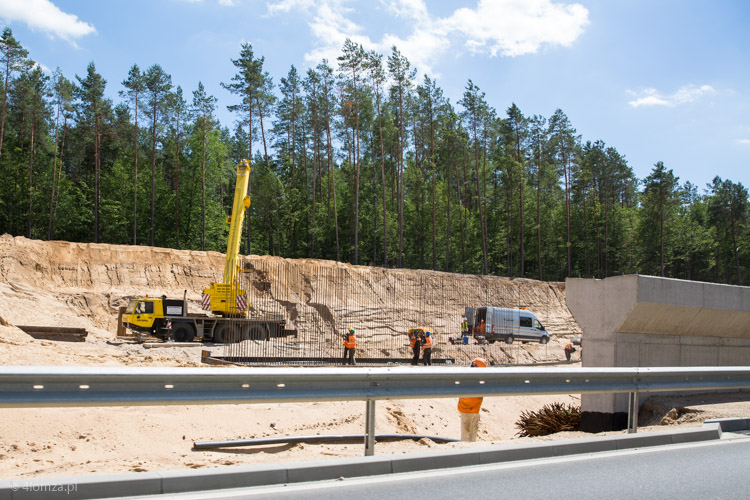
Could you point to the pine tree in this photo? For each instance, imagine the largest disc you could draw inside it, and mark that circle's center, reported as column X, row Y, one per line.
column 135, row 85
column 13, row 56
column 400, row 70
column 158, row 85
column 661, row 199
column 94, row 107
column 203, row 107
column 565, row 144
column 352, row 62
column 63, row 95
column 475, row 109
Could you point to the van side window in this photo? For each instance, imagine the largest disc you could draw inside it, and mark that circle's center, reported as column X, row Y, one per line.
column 525, row 321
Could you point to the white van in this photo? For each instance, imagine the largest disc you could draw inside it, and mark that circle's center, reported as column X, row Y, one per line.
column 505, row 324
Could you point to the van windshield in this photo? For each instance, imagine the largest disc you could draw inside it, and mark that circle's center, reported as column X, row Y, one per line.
column 538, row 325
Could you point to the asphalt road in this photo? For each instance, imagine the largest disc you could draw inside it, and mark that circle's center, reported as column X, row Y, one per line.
column 717, row 469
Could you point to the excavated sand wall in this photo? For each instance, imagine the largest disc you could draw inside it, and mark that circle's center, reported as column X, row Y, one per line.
column 47, row 283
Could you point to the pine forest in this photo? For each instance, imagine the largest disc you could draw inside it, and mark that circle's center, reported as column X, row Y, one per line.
column 357, row 160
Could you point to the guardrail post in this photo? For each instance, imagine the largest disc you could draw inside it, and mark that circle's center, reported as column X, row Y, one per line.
column 370, row 428
column 633, row 413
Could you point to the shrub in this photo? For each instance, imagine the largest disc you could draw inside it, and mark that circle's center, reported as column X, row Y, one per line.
column 555, row 417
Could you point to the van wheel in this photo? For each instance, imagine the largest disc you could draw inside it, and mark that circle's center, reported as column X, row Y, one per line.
column 509, row 339
column 544, row 340
column 183, row 332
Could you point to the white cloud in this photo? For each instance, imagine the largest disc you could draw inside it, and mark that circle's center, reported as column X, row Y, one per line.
column 494, row 27
column 409, row 9
column 43, row 15
column 743, row 141
column 517, row 27
column 683, row 95
column 284, row 6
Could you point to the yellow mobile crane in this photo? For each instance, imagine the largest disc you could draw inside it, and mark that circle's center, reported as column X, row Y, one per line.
column 227, row 301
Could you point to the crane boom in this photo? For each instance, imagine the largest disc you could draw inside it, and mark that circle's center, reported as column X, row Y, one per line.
column 227, row 298
column 241, row 203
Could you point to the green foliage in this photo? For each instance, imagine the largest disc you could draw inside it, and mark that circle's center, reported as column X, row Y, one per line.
column 349, row 165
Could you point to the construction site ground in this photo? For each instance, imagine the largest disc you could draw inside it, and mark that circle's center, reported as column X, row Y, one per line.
column 79, row 285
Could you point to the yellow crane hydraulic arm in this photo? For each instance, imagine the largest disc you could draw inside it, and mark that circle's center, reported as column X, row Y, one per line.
column 227, row 298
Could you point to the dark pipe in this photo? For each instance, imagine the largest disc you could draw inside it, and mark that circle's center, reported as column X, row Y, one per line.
column 208, row 445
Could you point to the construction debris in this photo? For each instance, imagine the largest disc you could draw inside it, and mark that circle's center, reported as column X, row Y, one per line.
column 56, row 333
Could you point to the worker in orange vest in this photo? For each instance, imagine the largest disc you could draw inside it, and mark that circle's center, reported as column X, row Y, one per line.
column 350, row 346
column 469, row 409
column 569, row 350
column 427, row 349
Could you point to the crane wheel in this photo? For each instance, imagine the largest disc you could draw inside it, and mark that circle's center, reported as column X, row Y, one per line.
column 509, row 339
column 221, row 332
column 229, row 333
column 259, row 332
column 183, row 332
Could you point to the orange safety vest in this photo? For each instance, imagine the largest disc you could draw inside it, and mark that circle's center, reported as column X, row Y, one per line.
column 469, row 405
column 412, row 340
column 427, row 343
column 350, row 342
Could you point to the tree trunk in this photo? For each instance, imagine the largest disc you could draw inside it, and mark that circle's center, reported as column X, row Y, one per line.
column 734, row 243
column 31, row 167
column 263, row 134
column 661, row 230
column 177, row 183
column 135, row 176
column 480, row 203
column 382, row 175
column 567, row 215
column 54, row 173
column 153, row 173
column 332, row 179
column 250, row 159
column 315, row 182
column 5, row 101
column 539, row 215
column 401, row 179
column 356, row 175
column 97, row 170
column 59, row 172
column 203, row 185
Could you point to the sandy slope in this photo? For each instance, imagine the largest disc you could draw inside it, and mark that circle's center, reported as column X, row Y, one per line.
column 82, row 285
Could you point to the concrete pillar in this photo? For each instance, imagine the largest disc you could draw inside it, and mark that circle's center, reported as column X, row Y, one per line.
column 649, row 321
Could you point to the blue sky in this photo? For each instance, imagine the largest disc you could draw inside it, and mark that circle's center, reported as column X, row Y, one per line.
column 660, row 80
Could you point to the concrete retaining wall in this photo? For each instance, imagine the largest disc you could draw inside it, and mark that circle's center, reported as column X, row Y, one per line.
column 649, row 321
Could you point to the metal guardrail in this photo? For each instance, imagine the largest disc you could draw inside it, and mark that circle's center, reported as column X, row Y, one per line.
column 27, row 386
